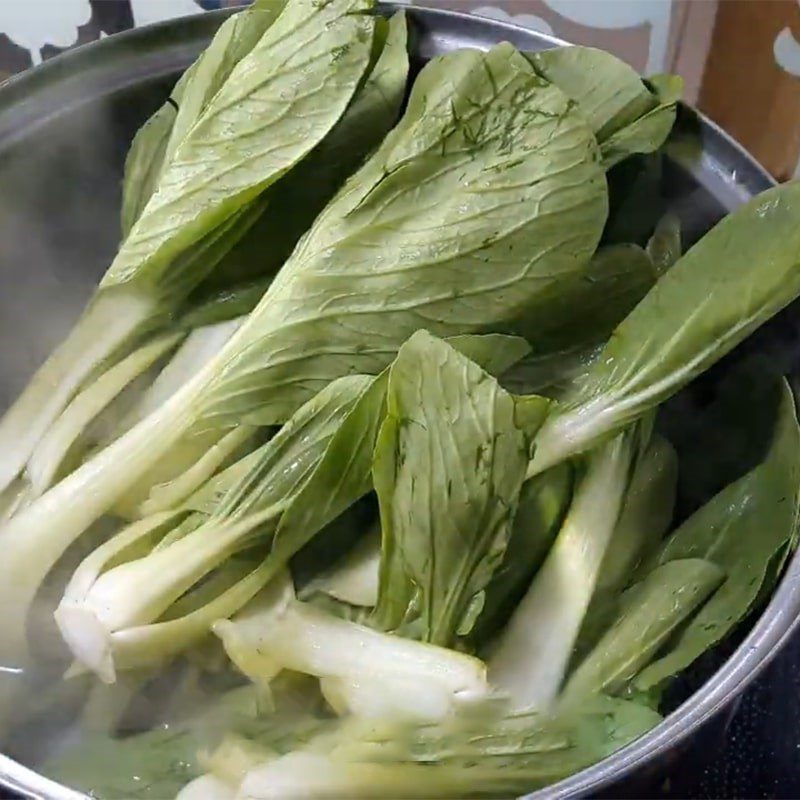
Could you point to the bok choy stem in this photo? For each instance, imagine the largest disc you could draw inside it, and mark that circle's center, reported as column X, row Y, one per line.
column 52, row 449
column 533, row 652
column 106, row 325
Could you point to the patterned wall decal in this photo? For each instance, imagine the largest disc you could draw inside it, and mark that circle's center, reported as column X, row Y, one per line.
column 638, row 30
column 146, row 12
column 787, row 52
column 32, row 24
column 655, row 14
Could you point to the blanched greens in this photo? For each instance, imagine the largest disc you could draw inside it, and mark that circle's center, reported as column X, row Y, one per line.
column 205, row 194
column 448, row 467
column 736, row 277
column 518, row 176
column 365, row 416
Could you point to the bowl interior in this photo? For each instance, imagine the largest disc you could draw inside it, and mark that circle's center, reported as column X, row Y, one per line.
column 64, row 133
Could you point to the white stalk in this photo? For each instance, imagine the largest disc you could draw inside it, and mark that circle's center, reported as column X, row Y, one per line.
column 533, row 651
column 564, row 435
column 149, row 645
column 168, row 495
column 38, row 535
column 206, row 787
column 108, row 321
column 199, row 347
column 355, row 579
column 49, row 454
column 119, row 546
column 363, row 670
column 139, row 592
column 314, row 776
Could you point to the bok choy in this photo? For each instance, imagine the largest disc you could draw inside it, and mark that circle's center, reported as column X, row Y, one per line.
column 174, row 238
column 365, row 454
column 460, row 160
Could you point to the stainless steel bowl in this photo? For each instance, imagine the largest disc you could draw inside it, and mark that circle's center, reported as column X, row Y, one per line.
column 64, row 130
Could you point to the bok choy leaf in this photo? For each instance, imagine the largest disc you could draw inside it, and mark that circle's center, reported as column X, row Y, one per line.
column 140, row 591
column 742, row 530
column 627, row 114
column 277, row 498
column 735, row 278
column 492, row 754
column 293, row 204
column 449, row 465
column 650, row 612
column 155, row 143
column 277, row 87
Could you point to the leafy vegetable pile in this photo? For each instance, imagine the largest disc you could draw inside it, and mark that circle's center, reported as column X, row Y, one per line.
column 353, row 462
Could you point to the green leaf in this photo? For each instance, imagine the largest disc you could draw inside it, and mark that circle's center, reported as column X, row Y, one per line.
column 628, row 115
column 344, row 472
column 740, row 530
column 145, row 159
column 555, row 375
column 449, row 464
column 236, row 38
column 608, row 92
column 645, row 517
column 648, row 133
column 650, row 612
column 155, row 142
column 277, row 103
column 370, row 116
column 735, row 278
column 295, row 202
column 450, row 199
column 590, row 304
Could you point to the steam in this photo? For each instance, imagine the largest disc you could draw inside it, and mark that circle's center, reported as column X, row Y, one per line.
column 61, row 168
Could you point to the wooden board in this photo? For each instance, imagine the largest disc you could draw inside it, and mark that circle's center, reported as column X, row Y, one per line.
column 744, row 89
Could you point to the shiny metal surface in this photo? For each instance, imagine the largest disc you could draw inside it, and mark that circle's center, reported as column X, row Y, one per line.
column 81, row 110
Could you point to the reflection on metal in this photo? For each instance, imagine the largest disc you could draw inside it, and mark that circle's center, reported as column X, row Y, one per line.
column 525, row 20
